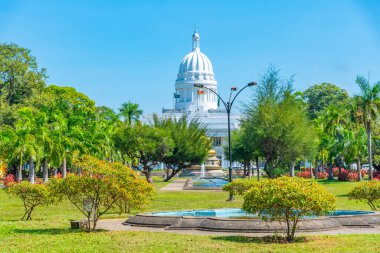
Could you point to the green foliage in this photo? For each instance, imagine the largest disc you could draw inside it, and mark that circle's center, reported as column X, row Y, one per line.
column 368, row 103
column 320, row 96
column 130, row 112
column 239, row 186
column 191, row 144
column 281, row 133
column 368, row 192
column 144, row 144
column 32, row 195
column 20, row 77
column 288, row 199
column 101, row 187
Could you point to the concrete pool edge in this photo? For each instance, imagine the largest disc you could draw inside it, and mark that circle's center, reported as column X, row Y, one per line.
column 255, row 225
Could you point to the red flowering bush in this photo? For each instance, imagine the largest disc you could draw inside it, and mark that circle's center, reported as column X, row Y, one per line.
column 363, row 172
column 59, row 175
column 343, row 175
column 323, row 175
column 304, row 174
column 353, row 176
column 376, row 175
column 335, row 171
column 9, row 179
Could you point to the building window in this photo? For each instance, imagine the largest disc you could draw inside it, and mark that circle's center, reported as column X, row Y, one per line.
column 217, row 141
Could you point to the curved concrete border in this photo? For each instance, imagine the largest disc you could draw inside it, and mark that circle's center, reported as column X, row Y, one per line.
column 251, row 225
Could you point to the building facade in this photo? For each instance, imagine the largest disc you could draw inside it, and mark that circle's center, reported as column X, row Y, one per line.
column 196, row 68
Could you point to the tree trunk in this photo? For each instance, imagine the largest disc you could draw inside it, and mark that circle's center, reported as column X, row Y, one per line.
column 257, row 168
column 244, row 170
column 174, row 172
column 54, row 172
column 369, row 144
column 339, row 164
column 292, row 170
column 45, row 172
column 64, row 167
column 359, row 170
column 311, row 170
column 31, row 170
column 148, row 175
column 19, row 172
column 323, row 165
column 331, row 176
column 316, row 169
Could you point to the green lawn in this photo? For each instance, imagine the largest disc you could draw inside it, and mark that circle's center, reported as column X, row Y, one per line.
column 49, row 230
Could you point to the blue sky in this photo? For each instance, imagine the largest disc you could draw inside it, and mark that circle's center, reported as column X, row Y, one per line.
column 115, row 51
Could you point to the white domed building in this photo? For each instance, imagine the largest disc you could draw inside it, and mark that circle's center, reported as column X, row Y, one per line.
column 196, row 68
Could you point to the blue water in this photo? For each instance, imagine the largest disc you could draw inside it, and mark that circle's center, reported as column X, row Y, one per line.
column 209, row 182
column 236, row 212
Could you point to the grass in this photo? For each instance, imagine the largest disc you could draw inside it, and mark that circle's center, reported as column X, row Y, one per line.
column 49, row 230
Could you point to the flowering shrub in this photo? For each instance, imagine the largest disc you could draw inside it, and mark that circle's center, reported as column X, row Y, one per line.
column 376, row 175
column 59, row 175
column 304, row 174
column 368, row 192
column 32, row 195
column 335, row 171
column 102, row 186
column 353, row 176
column 343, row 175
column 323, row 175
column 239, row 186
column 363, row 172
column 9, row 179
column 287, row 199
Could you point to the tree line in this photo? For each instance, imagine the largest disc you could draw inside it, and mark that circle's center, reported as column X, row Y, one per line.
column 47, row 128
column 323, row 125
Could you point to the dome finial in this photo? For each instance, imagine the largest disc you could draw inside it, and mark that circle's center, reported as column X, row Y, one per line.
column 196, row 39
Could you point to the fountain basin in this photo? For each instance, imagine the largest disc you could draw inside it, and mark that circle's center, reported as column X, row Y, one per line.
column 205, row 184
column 236, row 220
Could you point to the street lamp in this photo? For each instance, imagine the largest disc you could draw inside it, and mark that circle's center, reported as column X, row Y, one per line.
column 228, row 106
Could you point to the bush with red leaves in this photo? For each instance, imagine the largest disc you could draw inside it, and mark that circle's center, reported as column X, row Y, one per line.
column 323, row 175
column 304, row 174
column 9, row 179
column 343, row 175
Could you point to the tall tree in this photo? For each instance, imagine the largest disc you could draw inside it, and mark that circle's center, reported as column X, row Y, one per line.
column 20, row 77
column 130, row 112
column 369, row 104
column 320, row 96
column 191, row 144
column 145, row 145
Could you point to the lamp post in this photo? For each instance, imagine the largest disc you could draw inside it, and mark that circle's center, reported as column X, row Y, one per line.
column 228, row 106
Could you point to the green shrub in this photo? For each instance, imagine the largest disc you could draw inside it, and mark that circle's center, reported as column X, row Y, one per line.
column 288, row 199
column 101, row 187
column 368, row 192
column 32, row 195
column 239, row 186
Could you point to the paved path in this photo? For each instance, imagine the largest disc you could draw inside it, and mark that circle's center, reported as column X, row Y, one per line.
column 116, row 225
column 176, row 185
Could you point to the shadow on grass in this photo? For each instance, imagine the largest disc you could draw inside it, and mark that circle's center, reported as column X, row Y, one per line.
column 261, row 240
column 54, row 231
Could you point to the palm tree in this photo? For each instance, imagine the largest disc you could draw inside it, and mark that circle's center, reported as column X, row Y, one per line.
column 130, row 112
column 369, row 104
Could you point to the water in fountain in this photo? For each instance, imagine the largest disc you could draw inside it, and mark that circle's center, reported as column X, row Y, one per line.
column 203, row 170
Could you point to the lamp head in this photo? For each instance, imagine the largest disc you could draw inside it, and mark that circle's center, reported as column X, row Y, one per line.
column 233, row 88
column 251, row 84
column 198, row 85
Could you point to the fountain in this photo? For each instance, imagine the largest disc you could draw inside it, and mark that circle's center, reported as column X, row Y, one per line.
column 236, row 220
column 202, row 170
column 209, row 169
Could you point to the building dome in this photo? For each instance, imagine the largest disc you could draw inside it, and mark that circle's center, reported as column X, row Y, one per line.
column 195, row 65
column 195, row 68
